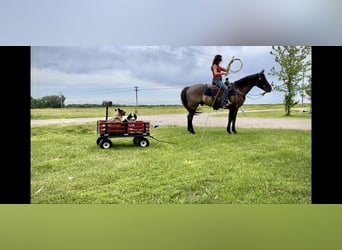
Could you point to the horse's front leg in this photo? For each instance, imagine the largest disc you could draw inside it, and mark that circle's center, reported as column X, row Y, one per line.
column 234, row 114
column 229, row 122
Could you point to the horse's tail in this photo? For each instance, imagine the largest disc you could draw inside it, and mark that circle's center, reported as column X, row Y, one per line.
column 185, row 102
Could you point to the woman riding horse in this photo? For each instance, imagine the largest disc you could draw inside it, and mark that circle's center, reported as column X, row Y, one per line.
column 193, row 96
column 218, row 72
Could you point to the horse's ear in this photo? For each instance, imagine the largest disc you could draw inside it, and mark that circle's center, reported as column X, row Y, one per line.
column 262, row 71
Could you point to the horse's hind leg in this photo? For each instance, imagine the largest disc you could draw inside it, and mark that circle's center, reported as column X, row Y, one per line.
column 190, row 127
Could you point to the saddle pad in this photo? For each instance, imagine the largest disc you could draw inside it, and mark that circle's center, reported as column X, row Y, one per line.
column 210, row 90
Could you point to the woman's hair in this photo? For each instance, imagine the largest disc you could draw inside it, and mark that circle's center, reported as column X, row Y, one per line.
column 217, row 60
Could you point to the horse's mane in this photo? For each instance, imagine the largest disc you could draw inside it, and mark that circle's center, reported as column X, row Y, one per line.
column 245, row 80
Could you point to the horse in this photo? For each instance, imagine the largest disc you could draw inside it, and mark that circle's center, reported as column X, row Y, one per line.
column 201, row 93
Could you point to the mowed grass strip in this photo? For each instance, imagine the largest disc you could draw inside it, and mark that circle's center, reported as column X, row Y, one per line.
column 253, row 166
column 86, row 112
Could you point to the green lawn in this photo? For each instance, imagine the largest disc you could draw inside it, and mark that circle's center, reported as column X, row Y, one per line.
column 253, row 166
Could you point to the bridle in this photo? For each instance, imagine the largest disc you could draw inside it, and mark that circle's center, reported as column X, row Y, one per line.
column 238, row 92
column 261, row 94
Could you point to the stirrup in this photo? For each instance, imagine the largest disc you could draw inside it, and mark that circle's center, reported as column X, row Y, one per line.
column 227, row 105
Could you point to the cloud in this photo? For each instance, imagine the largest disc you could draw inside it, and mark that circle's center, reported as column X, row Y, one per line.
column 153, row 22
column 90, row 74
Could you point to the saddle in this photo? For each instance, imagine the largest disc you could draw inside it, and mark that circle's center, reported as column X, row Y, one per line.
column 215, row 92
column 212, row 89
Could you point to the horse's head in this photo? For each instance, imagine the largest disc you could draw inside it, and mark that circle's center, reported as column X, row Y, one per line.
column 263, row 83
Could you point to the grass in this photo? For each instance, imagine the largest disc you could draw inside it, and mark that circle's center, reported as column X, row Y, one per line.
column 271, row 113
column 255, row 166
column 61, row 113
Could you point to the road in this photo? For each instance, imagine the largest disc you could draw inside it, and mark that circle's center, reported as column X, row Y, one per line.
column 202, row 120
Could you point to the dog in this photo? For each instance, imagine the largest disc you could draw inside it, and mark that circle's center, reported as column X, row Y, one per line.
column 131, row 117
column 118, row 115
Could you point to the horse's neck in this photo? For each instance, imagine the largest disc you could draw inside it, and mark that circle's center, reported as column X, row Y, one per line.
column 243, row 90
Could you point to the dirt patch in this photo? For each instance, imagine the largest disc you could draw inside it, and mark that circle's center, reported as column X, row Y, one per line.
column 202, row 120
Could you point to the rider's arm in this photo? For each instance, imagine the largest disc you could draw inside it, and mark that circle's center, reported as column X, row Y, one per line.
column 216, row 73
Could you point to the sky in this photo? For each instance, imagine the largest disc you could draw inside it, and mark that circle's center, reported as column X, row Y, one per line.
column 177, row 22
column 143, row 75
column 89, row 50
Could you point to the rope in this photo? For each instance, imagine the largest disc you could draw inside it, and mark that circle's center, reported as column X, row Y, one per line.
column 205, row 125
column 161, row 140
column 231, row 62
column 206, row 121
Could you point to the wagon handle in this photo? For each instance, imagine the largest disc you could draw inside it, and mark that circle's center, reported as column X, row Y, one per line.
column 107, row 104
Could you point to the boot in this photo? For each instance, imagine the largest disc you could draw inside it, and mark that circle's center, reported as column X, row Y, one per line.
column 227, row 105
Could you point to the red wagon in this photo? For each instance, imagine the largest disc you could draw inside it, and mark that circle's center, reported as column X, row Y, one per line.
column 138, row 130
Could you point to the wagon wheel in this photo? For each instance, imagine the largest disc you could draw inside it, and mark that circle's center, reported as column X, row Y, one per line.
column 98, row 140
column 136, row 140
column 105, row 143
column 143, row 142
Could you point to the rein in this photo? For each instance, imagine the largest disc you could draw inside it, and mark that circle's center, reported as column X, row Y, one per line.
column 258, row 95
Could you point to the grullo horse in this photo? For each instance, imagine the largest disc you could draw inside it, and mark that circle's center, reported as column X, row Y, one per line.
column 201, row 93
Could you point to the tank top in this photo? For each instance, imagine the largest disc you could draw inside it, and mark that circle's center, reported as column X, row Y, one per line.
column 218, row 71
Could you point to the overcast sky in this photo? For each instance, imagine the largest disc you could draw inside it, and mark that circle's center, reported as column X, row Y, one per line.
column 91, row 74
column 76, row 44
column 177, row 22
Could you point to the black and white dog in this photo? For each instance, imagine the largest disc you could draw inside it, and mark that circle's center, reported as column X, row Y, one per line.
column 131, row 117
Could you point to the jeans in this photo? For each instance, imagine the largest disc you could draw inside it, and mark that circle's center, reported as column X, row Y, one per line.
column 219, row 83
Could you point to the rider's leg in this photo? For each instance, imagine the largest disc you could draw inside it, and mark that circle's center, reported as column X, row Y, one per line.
column 220, row 84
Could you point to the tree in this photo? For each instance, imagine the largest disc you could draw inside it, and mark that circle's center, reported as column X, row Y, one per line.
column 53, row 101
column 293, row 61
column 308, row 90
column 305, row 88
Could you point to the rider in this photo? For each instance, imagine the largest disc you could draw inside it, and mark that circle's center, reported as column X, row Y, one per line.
column 218, row 72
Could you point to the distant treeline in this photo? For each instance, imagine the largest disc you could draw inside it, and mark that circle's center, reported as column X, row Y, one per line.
column 57, row 101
